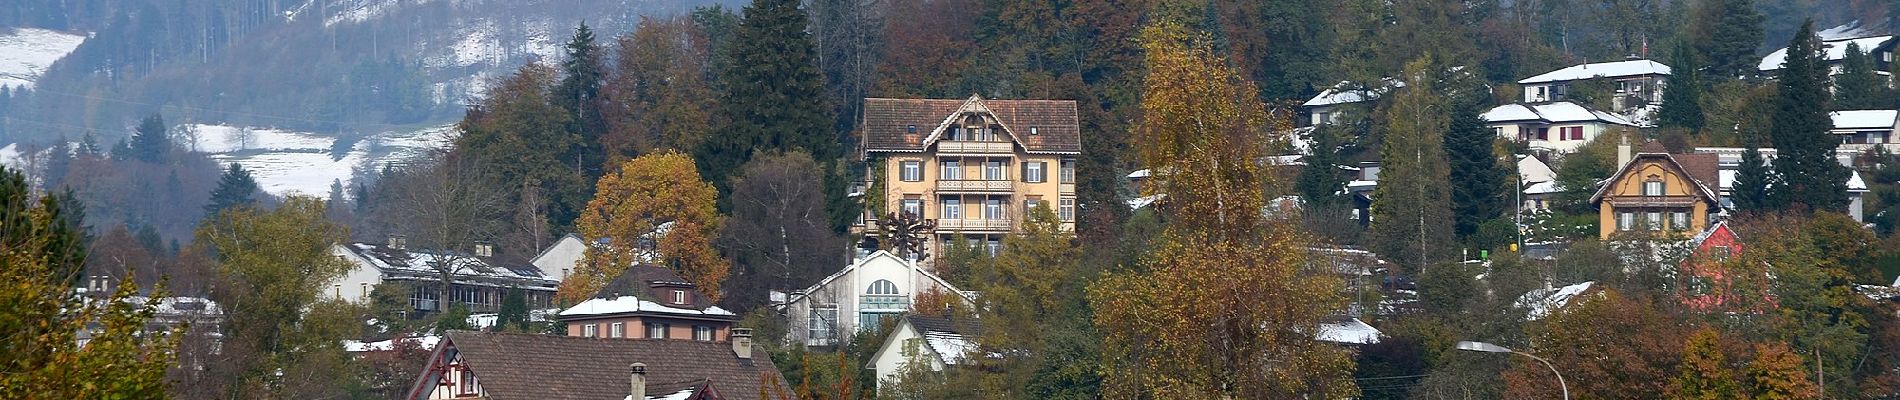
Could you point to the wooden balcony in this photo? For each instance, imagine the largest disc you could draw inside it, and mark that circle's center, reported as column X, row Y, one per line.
column 1652, row 201
column 975, row 225
column 970, row 147
column 975, row 186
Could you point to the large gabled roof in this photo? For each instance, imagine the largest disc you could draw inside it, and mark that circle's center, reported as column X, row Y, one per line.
column 1699, row 168
column 880, row 254
column 1551, row 113
column 534, row 366
column 911, row 125
column 1836, row 50
column 1600, row 70
column 415, row 262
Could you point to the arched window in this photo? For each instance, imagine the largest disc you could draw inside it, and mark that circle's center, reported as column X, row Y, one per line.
column 882, row 287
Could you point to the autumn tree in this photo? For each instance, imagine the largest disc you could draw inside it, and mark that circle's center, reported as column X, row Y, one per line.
column 1220, row 306
column 273, row 265
column 1032, row 292
column 1804, row 158
column 657, row 96
column 1777, row 373
column 1411, row 204
column 1704, row 373
column 1608, row 345
column 778, row 233
column 652, row 209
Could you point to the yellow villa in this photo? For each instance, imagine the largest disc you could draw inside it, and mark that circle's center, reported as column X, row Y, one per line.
column 973, row 166
column 1656, row 191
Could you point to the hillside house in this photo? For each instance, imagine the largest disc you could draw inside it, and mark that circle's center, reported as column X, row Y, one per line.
column 1637, row 82
column 1835, row 49
column 1538, row 183
column 1330, row 106
column 972, row 166
column 504, row 366
column 1559, row 126
column 481, row 278
column 649, row 302
column 876, row 287
column 1707, row 283
column 1729, row 161
column 560, row 258
column 934, row 341
column 1859, row 130
column 1655, row 191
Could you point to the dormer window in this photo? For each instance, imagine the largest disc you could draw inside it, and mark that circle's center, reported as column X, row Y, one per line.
column 1032, row 131
column 911, row 129
column 1653, row 187
column 679, row 297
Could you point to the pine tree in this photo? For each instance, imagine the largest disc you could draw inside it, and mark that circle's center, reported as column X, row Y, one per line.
column 235, row 189
column 151, row 142
column 1730, row 31
column 1320, row 179
column 1704, row 373
column 1477, row 180
column 1752, row 180
column 1682, row 99
column 89, row 145
column 774, row 95
column 1858, row 87
column 122, row 151
column 579, row 94
column 1804, row 157
column 513, row 314
column 1412, row 203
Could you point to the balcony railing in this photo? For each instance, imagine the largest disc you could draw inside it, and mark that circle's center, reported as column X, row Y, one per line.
column 971, row 147
column 974, row 185
column 1653, row 201
column 987, row 225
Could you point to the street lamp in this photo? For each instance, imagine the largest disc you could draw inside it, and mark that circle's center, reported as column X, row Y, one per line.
column 1492, row 348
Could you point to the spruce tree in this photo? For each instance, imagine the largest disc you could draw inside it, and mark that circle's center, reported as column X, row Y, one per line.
column 579, row 94
column 1750, row 191
column 1682, row 98
column 1798, row 128
column 89, row 145
column 151, row 142
column 1858, row 87
column 1320, row 180
column 1477, row 181
column 1732, row 30
column 1411, row 206
column 774, row 96
column 235, row 189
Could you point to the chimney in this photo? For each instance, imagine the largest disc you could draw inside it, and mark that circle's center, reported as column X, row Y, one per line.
column 1623, row 155
column 639, row 382
column 484, row 249
column 742, row 343
column 398, row 242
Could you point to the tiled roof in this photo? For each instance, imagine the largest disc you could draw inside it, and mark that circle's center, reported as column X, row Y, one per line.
column 416, row 262
column 905, row 124
column 928, row 323
column 639, row 281
column 533, row 366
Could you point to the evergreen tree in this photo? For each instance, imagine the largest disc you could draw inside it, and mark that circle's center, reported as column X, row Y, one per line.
column 1804, row 157
column 1682, row 98
column 89, row 145
column 513, row 314
column 122, row 151
column 235, row 189
column 1412, row 203
column 59, row 159
column 1729, row 31
column 1477, row 180
column 1752, row 180
column 1320, row 180
column 774, row 95
column 579, row 94
column 151, row 142
column 1858, row 87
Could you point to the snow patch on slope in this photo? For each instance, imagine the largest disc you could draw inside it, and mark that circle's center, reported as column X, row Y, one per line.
column 26, row 52
column 286, row 162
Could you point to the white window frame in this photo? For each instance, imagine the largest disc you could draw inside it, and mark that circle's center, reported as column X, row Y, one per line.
column 1679, row 220
column 993, row 208
column 679, row 297
column 952, row 208
column 1654, row 218
column 1035, row 172
column 950, row 170
column 822, row 323
column 617, row 330
column 1625, row 221
column 911, row 171
column 653, row 328
column 590, row 330
column 1654, row 188
column 914, row 206
column 1068, row 171
column 702, row 333
column 995, row 171
column 1067, row 211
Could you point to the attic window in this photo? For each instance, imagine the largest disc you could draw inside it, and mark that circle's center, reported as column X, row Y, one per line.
column 679, row 297
column 911, row 129
column 1032, row 131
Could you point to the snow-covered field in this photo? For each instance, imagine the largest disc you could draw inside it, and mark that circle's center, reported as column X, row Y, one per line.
column 26, row 52
column 286, row 162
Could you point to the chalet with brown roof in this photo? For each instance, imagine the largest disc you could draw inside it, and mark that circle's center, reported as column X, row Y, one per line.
column 649, row 302
column 1655, row 191
column 501, row 366
column 973, row 166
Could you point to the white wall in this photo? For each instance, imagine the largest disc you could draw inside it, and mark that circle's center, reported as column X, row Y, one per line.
column 846, row 291
column 355, row 284
column 561, row 258
column 890, row 358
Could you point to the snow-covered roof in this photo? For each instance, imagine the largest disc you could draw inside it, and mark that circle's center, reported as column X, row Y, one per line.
column 1601, row 70
column 1863, row 119
column 1144, row 201
column 631, row 304
column 489, row 320
column 174, row 306
column 1344, row 93
column 1555, row 112
column 1852, row 29
column 1138, row 174
column 417, row 263
column 1542, row 302
column 953, row 347
column 1349, row 331
column 1545, row 187
column 424, row 342
column 683, row 394
column 1836, row 50
column 1854, row 183
column 1531, row 169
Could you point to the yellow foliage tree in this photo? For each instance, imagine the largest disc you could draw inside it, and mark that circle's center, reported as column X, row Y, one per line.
column 654, row 209
column 1222, row 306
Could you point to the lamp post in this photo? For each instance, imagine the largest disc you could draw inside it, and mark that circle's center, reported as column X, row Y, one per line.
column 1492, row 348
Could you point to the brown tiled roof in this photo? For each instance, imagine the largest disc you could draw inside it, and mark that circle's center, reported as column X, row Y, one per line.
column 638, row 281
column 1704, row 168
column 532, row 366
column 887, row 122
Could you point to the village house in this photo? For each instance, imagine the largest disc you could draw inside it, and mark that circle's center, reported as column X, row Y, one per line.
column 1707, row 284
column 505, row 366
column 1637, row 83
column 649, row 302
column 481, row 278
column 1880, row 47
column 972, row 166
column 1537, row 183
column 1560, row 127
column 1860, row 130
column 876, row 287
column 934, row 341
column 1729, row 161
column 1330, row 106
column 561, row 258
column 1655, row 191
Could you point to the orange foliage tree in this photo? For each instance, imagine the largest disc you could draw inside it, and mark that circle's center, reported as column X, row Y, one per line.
column 1606, row 345
column 654, row 209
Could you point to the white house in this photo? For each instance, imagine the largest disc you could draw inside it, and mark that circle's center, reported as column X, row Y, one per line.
column 1328, row 107
column 1559, row 126
column 1538, row 181
column 1638, row 82
column 480, row 278
column 880, row 285
column 1861, row 129
column 1729, row 162
column 562, row 258
column 1880, row 47
column 934, row 341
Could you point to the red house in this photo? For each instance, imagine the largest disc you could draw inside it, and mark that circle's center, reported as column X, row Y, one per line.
column 1706, row 282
